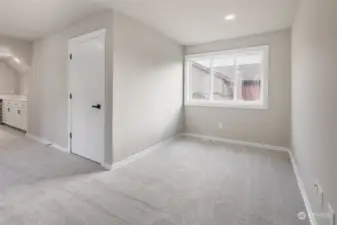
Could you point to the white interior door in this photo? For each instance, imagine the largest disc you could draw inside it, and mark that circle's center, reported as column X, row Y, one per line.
column 87, row 91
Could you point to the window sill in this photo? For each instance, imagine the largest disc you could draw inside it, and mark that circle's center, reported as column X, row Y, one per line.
column 236, row 105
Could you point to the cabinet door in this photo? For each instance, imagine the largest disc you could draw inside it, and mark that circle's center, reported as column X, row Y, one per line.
column 15, row 117
column 12, row 118
column 24, row 120
column 21, row 119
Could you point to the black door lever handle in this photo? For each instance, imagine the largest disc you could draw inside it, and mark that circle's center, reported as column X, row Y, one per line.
column 98, row 106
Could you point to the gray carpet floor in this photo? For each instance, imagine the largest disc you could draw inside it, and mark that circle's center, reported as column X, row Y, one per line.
column 183, row 182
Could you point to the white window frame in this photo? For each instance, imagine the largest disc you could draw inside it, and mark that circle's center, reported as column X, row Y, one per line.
column 262, row 104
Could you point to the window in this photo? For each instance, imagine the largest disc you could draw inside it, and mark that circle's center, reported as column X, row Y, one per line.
column 233, row 78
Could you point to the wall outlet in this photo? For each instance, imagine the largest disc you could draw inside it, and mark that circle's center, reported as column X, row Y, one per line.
column 220, row 125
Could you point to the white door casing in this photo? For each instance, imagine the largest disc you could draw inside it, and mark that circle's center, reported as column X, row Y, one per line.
column 87, row 90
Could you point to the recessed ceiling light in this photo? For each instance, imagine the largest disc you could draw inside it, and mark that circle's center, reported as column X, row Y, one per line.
column 16, row 60
column 230, row 17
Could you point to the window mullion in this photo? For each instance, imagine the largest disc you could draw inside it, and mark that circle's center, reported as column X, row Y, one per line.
column 235, row 82
column 211, row 88
column 238, row 81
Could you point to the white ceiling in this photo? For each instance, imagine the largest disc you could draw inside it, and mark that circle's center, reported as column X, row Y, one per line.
column 198, row 21
column 29, row 19
column 186, row 21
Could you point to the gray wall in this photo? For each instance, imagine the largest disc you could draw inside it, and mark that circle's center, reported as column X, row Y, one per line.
column 9, row 79
column 270, row 126
column 24, row 83
column 48, row 96
column 314, row 95
column 23, row 50
column 144, row 71
column 148, row 84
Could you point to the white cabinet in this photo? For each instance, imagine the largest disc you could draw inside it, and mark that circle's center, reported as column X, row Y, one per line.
column 5, row 114
column 14, row 114
column 22, row 119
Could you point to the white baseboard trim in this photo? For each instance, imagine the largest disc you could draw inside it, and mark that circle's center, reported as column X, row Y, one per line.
column 66, row 150
column 304, row 194
column 232, row 141
column 46, row 142
column 38, row 139
column 204, row 137
column 268, row 147
column 137, row 155
column 106, row 166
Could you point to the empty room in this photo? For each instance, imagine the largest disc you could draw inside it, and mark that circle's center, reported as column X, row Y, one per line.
column 168, row 112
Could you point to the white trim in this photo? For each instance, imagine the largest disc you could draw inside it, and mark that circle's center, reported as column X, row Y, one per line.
column 138, row 155
column 62, row 149
column 229, row 104
column 224, row 140
column 228, row 51
column 244, row 143
column 81, row 38
column 300, row 184
column 187, row 80
column 211, row 82
column 38, row 139
column 235, row 82
column 90, row 35
column 106, row 166
column 48, row 143
column 327, row 216
column 69, row 127
column 263, row 104
column 266, row 74
column 302, row 190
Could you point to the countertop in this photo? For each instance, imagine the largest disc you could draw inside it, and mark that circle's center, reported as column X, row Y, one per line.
column 21, row 98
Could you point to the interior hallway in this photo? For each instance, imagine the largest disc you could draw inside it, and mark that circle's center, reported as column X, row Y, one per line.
column 185, row 181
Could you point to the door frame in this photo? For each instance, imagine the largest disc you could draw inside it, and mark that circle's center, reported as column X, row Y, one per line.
column 97, row 33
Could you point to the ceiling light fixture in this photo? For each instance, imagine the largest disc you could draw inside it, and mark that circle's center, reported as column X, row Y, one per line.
column 230, row 17
column 16, row 60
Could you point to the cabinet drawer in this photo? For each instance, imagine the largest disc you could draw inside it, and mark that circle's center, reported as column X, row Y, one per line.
column 6, row 103
column 10, row 103
column 22, row 105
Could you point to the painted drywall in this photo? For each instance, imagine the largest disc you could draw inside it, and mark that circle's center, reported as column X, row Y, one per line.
column 22, row 50
column 148, row 85
column 24, row 84
column 48, row 95
column 9, row 79
column 314, row 109
column 270, row 126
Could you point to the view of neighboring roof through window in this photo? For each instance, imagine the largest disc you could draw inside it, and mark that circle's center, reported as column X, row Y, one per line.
column 235, row 78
